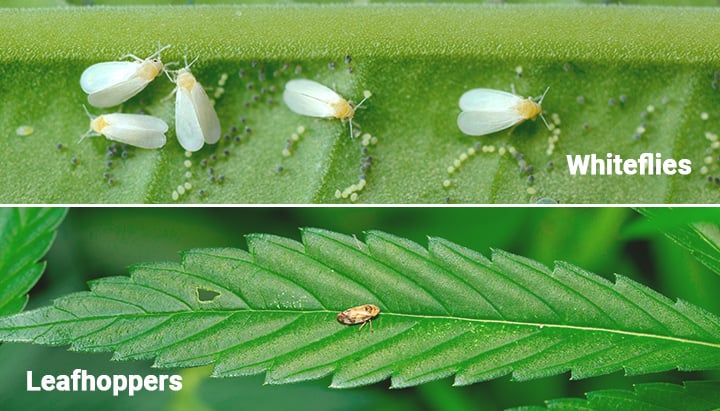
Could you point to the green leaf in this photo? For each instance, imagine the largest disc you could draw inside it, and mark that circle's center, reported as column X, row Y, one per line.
column 26, row 234
column 698, row 231
column 417, row 59
column 446, row 310
column 692, row 395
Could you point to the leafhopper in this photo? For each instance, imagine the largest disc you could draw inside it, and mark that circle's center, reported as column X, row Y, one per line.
column 361, row 314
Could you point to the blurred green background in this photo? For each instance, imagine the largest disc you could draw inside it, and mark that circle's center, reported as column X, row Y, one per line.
column 98, row 242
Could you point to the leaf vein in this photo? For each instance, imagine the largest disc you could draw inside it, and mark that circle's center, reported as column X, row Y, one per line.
column 340, row 273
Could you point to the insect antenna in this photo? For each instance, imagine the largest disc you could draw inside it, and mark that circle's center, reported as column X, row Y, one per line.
column 90, row 130
column 160, row 50
column 191, row 63
column 138, row 59
column 543, row 95
column 540, row 103
column 167, row 72
column 545, row 121
column 366, row 95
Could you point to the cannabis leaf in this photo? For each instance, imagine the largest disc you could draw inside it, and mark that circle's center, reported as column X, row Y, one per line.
column 446, row 310
column 697, row 230
column 25, row 236
column 692, row 395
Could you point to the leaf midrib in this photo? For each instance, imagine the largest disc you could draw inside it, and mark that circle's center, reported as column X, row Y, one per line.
column 386, row 314
column 346, row 27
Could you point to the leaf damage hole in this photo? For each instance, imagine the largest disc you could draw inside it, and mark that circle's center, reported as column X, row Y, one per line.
column 205, row 295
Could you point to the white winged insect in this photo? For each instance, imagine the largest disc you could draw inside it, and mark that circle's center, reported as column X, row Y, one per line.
column 196, row 121
column 111, row 83
column 137, row 130
column 313, row 99
column 486, row 111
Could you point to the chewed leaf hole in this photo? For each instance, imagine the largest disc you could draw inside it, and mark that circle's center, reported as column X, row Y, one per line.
column 205, row 296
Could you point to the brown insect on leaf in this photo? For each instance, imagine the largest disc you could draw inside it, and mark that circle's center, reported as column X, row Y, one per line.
column 361, row 314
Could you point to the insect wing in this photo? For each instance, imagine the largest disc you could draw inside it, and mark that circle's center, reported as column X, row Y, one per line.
column 187, row 125
column 104, row 75
column 353, row 316
column 357, row 315
column 344, row 319
column 136, row 129
column 138, row 121
column 119, row 93
column 485, row 99
column 480, row 123
column 206, row 116
column 310, row 98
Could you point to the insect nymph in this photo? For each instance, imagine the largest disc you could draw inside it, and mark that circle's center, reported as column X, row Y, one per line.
column 361, row 314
